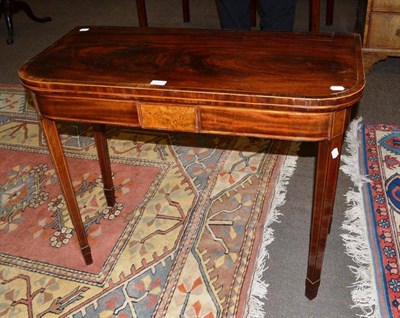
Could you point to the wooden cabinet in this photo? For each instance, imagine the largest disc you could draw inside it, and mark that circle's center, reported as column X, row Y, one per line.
column 379, row 23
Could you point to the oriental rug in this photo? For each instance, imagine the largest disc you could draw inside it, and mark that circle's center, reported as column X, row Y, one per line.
column 187, row 237
column 372, row 226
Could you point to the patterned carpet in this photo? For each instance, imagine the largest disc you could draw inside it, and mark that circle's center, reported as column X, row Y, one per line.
column 373, row 220
column 185, row 239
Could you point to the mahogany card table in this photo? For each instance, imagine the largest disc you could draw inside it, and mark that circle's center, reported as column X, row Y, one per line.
column 291, row 86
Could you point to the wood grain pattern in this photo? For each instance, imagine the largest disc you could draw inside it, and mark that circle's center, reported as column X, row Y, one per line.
column 386, row 5
column 265, row 123
column 384, row 31
column 250, row 67
column 168, row 117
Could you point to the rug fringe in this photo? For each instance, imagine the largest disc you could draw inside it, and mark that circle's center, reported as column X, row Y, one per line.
column 355, row 238
column 259, row 288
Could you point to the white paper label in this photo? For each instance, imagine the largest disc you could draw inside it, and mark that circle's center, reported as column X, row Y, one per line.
column 158, row 82
column 337, row 88
column 335, row 153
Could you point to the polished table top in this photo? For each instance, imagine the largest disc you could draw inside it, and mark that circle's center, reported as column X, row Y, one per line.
column 290, row 69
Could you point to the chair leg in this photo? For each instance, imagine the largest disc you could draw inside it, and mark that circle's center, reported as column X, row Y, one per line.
column 186, row 11
column 253, row 12
column 329, row 12
column 141, row 12
column 6, row 8
column 9, row 7
column 23, row 6
column 314, row 15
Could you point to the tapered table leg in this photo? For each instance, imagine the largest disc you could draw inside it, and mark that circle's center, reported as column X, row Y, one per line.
column 60, row 163
column 104, row 161
column 324, row 195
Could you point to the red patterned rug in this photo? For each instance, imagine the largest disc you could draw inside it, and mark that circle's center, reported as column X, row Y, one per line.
column 185, row 239
column 372, row 226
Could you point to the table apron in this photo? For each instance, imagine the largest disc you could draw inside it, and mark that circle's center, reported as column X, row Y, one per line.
column 244, row 121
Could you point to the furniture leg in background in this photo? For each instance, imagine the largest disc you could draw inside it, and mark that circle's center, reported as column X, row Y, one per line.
column 315, row 12
column 330, row 4
column 9, row 7
column 314, row 24
column 142, row 13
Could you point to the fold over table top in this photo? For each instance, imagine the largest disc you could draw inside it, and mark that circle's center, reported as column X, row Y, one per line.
column 291, row 86
column 299, row 71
